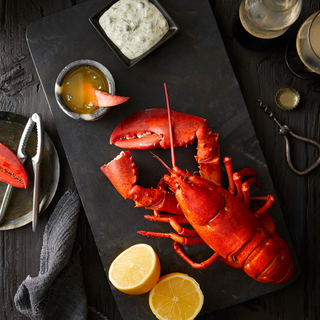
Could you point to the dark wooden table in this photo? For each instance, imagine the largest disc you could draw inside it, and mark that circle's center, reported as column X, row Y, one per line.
column 260, row 71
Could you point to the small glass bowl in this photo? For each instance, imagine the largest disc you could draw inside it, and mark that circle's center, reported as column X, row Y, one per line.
column 128, row 63
column 99, row 113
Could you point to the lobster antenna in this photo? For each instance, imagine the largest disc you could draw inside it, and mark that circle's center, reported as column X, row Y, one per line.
column 173, row 159
column 161, row 161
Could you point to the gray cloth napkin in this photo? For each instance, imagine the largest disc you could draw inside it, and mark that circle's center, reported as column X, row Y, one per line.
column 58, row 291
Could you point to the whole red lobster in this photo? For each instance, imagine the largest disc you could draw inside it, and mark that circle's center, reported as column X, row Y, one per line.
column 242, row 235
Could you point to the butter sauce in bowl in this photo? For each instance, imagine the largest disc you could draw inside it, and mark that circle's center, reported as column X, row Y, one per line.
column 73, row 89
column 84, row 77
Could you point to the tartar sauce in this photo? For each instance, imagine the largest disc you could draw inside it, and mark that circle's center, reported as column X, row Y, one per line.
column 134, row 26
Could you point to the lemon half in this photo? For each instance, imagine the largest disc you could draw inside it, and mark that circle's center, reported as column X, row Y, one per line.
column 176, row 296
column 136, row 270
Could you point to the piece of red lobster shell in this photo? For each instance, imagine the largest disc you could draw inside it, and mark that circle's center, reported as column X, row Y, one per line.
column 104, row 99
column 243, row 235
column 11, row 169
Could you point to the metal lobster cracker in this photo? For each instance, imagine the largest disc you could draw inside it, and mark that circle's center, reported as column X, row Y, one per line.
column 284, row 130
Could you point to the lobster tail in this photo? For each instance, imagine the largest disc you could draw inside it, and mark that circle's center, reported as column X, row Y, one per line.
column 264, row 257
column 270, row 262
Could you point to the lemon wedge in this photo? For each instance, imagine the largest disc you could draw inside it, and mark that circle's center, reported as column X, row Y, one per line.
column 136, row 270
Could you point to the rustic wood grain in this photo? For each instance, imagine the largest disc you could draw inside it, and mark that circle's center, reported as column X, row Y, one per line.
column 260, row 74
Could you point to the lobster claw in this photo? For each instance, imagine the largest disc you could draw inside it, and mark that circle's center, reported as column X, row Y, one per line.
column 122, row 172
column 11, row 169
column 148, row 129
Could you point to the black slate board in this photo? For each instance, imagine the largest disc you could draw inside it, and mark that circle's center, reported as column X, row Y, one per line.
column 200, row 81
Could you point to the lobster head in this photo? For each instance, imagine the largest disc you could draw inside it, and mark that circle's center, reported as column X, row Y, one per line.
column 197, row 197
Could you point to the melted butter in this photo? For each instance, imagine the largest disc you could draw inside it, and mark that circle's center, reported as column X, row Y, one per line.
column 76, row 88
column 134, row 26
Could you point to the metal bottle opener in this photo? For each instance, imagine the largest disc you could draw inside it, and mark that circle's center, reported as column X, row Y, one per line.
column 284, row 130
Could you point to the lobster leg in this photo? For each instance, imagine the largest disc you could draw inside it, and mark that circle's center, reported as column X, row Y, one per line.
column 229, row 169
column 193, row 264
column 173, row 236
column 181, row 237
column 269, row 201
column 237, row 181
column 247, row 198
column 208, row 155
column 163, row 217
column 175, row 224
column 264, row 219
column 260, row 212
column 235, row 178
column 183, row 240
